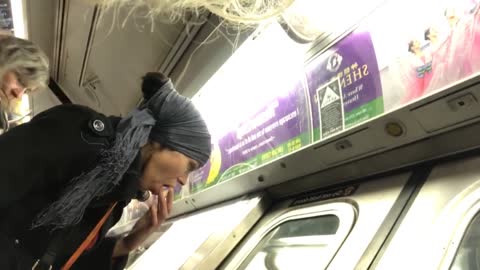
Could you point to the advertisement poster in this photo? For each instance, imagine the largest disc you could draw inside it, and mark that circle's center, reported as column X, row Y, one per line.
column 279, row 128
column 330, row 107
column 261, row 112
column 438, row 46
column 388, row 61
column 344, row 85
column 178, row 192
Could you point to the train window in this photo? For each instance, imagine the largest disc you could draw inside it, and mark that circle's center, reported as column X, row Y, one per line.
column 295, row 243
column 303, row 237
column 468, row 253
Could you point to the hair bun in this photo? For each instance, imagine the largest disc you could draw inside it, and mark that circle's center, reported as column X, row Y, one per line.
column 152, row 82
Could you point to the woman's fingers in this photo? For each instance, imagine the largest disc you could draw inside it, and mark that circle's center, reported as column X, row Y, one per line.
column 154, row 212
column 170, row 196
column 162, row 207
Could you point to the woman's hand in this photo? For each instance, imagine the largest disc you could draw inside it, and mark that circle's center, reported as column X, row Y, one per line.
column 161, row 206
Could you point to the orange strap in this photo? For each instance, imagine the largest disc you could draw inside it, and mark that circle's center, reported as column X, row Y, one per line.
column 90, row 238
column 92, row 243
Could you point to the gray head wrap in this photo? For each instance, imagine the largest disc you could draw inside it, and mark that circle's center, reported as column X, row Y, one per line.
column 165, row 117
column 179, row 125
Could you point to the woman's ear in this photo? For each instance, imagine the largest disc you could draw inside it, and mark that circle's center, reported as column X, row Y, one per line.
column 146, row 153
column 148, row 149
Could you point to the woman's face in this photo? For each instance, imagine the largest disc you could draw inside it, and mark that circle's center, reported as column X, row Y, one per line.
column 415, row 46
column 451, row 15
column 11, row 88
column 433, row 34
column 164, row 169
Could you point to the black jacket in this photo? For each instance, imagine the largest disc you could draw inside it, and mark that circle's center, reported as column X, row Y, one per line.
column 38, row 159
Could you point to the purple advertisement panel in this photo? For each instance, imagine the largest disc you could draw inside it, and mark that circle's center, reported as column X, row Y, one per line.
column 344, row 85
column 177, row 192
column 344, row 89
column 279, row 128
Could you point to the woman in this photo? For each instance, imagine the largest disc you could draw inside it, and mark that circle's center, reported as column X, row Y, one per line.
column 474, row 54
column 412, row 71
column 458, row 44
column 83, row 168
column 23, row 68
column 436, row 53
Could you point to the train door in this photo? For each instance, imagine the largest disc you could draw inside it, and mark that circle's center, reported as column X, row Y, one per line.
column 424, row 219
column 440, row 230
column 330, row 229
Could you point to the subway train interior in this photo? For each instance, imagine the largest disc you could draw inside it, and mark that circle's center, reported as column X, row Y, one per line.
column 345, row 134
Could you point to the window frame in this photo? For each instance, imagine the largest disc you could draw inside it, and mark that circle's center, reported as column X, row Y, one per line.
column 460, row 230
column 455, row 254
column 345, row 212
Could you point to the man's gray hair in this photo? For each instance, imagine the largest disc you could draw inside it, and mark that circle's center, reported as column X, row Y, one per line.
column 26, row 59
